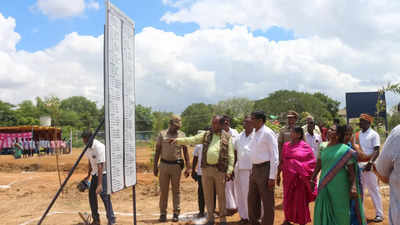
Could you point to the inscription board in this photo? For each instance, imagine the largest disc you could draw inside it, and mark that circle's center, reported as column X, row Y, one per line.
column 119, row 91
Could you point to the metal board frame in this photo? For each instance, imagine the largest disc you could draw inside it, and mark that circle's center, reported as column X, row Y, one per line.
column 119, row 97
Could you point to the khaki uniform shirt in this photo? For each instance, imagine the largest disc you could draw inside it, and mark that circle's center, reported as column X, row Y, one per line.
column 170, row 152
column 284, row 136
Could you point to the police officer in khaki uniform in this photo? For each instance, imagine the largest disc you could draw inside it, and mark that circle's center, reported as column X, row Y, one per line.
column 284, row 134
column 171, row 166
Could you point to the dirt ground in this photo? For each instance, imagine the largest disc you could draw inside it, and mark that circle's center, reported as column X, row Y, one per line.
column 28, row 185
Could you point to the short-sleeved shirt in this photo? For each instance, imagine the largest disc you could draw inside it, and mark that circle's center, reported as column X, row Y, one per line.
column 242, row 147
column 96, row 155
column 314, row 141
column 388, row 165
column 170, row 152
column 283, row 137
column 316, row 129
column 234, row 135
column 198, row 152
column 368, row 141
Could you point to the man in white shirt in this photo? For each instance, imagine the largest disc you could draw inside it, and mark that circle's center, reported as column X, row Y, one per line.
column 96, row 154
column 312, row 138
column 231, row 203
column 196, row 175
column 264, row 156
column 388, row 166
column 369, row 141
column 316, row 128
column 243, row 168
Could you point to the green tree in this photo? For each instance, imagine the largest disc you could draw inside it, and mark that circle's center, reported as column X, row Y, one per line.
column 143, row 118
column 160, row 121
column 331, row 105
column 7, row 115
column 86, row 110
column 279, row 102
column 393, row 120
column 52, row 104
column 70, row 118
column 234, row 107
column 195, row 117
column 41, row 107
column 27, row 113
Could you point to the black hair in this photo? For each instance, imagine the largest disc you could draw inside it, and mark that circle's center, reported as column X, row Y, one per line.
column 86, row 134
column 341, row 132
column 259, row 115
column 299, row 130
column 349, row 128
column 247, row 116
column 221, row 119
column 336, row 121
column 227, row 118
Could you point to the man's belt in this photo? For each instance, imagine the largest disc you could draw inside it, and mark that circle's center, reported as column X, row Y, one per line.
column 261, row 164
column 211, row 165
column 171, row 161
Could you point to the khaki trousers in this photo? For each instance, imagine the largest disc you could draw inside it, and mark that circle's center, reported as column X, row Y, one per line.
column 259, row 192
column 212, row 180
column 169, row 173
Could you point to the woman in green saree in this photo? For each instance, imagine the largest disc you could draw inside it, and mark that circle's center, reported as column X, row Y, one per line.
column 339, row 183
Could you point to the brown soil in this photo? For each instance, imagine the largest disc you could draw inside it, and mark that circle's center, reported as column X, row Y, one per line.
column 34, row 181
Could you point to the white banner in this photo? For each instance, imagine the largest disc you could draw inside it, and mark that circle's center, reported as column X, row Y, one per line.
column 119, row 91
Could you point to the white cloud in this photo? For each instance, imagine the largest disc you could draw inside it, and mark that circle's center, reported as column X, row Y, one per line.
column 8, row 37
column 93, row 5
column 208, row 65
column 359, row 23
column 65, row 8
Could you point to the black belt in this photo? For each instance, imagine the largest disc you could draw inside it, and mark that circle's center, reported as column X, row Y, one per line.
column 179, row 161
column 211, row 165
column 261, row 164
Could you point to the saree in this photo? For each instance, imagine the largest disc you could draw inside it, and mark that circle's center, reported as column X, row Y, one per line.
column 298, row 164
column 333, row 205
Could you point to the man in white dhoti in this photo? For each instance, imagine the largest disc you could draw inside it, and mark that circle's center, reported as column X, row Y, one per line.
column 243, row 169
column 388, row 167
column 231, row 204
column 369, row 141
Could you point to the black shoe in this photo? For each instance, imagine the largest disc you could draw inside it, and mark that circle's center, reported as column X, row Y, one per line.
column 244, row 221
column 163, row 218
column 96, row 222
column 113, row 221
column 210, row 223
column 200, row 215
column 378, row 219
column 175, row 218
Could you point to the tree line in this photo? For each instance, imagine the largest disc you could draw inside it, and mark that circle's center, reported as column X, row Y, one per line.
column 79, row 113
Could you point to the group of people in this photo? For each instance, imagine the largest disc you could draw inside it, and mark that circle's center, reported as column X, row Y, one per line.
column 242, row 170
column 27, row 147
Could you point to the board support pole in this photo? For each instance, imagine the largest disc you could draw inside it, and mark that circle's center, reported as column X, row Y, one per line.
column 134, row 203
column 70, row 173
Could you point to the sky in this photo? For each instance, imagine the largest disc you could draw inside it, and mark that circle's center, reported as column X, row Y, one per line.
column 190, row 51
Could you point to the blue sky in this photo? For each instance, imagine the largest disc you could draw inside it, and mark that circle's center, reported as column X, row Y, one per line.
column 38, row 31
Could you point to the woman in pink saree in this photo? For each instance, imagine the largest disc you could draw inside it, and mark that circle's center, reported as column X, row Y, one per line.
column 297, row 164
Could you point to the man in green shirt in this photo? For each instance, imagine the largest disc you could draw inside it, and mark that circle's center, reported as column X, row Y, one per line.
column 217, row 164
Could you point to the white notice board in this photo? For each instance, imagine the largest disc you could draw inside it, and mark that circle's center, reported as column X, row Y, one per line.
column 119, row 99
